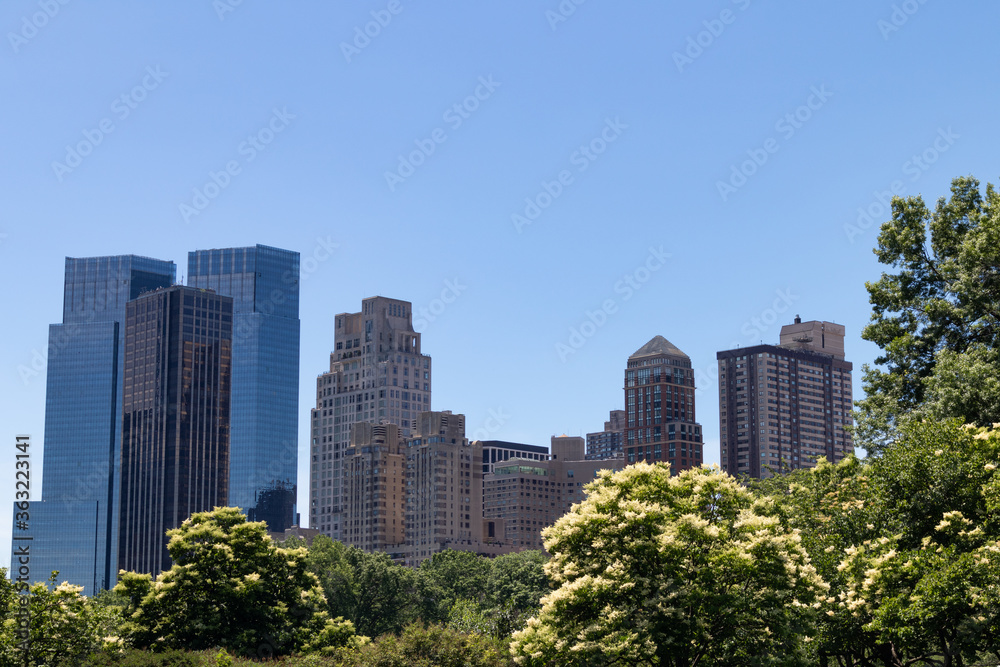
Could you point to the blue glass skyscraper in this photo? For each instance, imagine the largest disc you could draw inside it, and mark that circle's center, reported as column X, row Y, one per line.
column 75, row 525
column 263, row 454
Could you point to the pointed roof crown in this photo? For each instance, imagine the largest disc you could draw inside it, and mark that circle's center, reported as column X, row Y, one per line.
column 658, row 345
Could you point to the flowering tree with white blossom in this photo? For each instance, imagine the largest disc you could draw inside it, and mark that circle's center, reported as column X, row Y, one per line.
column 683, row 570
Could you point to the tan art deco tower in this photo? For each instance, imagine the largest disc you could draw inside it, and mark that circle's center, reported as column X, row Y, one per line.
column 377, row 375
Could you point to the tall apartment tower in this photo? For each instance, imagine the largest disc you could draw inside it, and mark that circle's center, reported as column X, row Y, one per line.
column 444, row 478
column 264, row 285
column 659, row 407
column 375, row 490
column 609, row 443
column 783, row 406
column 74, row 527
column 175, row 418
column 377, row 374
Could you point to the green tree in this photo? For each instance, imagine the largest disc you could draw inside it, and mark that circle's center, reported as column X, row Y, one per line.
column 928, row 586
column 230, row 586
column 447, row 577
column 655, row 569
column 937, row 317
column 519, row 579
column 908, row 544
column 429, row 646
column 368, row 589
column 830, row 505
column 514, row 586
column 65, row 627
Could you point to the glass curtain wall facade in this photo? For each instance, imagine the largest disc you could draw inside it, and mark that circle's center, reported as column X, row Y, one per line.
column 175, row 418
column 74, row 527
column 264, row 285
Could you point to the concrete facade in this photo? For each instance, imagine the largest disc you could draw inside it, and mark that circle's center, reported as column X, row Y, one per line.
column 377, row 374
column 444, row 482
column 781, row 407
column 527, row 496
column 375, row 489
column 609, row 443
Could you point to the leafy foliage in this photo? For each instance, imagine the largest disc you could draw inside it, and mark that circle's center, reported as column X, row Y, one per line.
column 937, row 318
column 469, row 592
column 447, row 577
column 429, row 646
column 368, row 589
column 517, row 580
column 655, row 569
column 65, row 627
column 908, row 544
column 230, row 587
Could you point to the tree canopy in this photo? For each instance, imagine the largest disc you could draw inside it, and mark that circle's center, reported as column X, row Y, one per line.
column 654, row 569
column 230, row 586
column 368, row 589
column 65, row 626
column 937, row 316
column 908, row 544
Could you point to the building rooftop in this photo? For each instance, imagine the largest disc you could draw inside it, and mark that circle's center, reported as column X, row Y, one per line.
column 656, row 346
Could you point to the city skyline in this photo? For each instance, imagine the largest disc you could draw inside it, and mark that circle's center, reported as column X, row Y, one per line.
column 701, row 172
column 346, row 325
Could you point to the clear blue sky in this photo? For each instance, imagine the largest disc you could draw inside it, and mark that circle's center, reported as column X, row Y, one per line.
column 834, row 101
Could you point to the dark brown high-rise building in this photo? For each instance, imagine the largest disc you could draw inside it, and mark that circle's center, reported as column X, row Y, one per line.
column 781, row 407
column 175, row 418
column 659, row 406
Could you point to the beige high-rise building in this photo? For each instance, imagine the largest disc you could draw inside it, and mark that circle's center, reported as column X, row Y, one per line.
column 444, row 483
column 377, row 374
column 781, row 407
column 375, row 490
column 529, row 495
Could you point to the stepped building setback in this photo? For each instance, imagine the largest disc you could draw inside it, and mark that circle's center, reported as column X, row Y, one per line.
column 377, row 375
column 783, row 406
